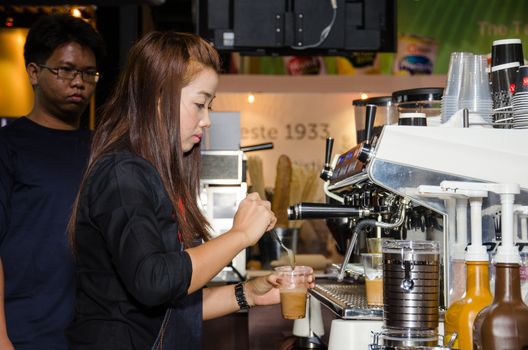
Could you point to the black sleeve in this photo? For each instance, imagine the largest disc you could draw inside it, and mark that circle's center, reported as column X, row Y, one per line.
column 125, row 204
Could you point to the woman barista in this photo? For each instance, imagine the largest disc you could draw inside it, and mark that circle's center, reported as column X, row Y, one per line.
column 137, row 230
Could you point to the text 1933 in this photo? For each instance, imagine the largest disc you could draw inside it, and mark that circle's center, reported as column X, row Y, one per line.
column 296, row 131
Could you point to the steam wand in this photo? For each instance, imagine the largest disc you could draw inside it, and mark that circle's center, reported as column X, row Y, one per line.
column 326, row 173
column 328, row 170
column 365, row 223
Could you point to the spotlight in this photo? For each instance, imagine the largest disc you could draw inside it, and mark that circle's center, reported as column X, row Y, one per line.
column 75, row 12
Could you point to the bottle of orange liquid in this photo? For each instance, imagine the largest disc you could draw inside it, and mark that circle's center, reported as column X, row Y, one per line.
column 461, row 314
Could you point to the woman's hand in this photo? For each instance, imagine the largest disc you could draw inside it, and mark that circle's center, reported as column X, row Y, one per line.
column 253, row 218
column 265, row 290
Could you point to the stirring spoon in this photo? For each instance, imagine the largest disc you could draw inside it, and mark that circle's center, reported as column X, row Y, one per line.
column 291, row 256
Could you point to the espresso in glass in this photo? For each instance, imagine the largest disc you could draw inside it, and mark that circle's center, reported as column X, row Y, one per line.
column 293, row 303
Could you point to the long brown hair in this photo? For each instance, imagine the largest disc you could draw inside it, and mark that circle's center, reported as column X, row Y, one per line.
column 143, row 117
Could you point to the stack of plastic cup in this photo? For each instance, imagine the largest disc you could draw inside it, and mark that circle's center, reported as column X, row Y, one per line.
column 520, row 99
column 475, row 93
column 455, row 75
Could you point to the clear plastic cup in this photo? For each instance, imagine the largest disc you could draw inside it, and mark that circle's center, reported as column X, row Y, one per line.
column 373, row 266
column 455, row 74
column 449, row 106
column 475, row 93
column 458, row 61
column 293, row 288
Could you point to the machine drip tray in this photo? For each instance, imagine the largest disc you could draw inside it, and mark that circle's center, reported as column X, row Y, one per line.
column 347, row 301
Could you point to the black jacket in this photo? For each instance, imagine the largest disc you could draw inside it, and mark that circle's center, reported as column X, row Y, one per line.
column 130, row 264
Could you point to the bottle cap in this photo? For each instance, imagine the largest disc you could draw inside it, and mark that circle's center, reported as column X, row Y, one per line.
column 507, row 255
column 476, row 253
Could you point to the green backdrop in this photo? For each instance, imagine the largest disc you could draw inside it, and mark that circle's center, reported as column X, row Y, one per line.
column 463, row 25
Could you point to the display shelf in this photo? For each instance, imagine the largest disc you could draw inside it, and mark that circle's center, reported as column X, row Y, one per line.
column 234, row 83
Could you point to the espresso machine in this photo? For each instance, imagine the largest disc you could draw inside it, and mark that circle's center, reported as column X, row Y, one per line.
column 372, row 190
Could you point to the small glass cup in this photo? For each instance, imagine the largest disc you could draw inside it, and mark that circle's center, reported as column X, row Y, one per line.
column 373, row 266
column 374, row 244
column 293, row 287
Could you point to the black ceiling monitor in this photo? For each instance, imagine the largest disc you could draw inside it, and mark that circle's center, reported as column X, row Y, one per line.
column 298, row 27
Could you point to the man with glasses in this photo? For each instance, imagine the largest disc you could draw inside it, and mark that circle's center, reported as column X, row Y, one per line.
column 90, row 76
column 42, row 158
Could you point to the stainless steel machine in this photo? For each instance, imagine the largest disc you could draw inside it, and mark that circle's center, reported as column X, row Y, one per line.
column 373, row 190
column 223, row 182
column 222, row 188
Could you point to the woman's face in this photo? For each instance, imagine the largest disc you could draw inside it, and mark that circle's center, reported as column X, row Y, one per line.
column 196, row 99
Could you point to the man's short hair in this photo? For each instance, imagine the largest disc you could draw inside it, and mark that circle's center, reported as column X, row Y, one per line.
column 53, row 31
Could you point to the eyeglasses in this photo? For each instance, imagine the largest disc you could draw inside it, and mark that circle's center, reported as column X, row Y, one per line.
column 88, row 76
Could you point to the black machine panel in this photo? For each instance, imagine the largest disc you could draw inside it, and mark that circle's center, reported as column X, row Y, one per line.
column 347, row 165
column 295, row 27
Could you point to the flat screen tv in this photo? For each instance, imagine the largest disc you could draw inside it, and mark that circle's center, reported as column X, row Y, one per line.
column 298, row 27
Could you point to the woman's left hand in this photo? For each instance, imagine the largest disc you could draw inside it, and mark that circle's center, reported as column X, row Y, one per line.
column 265, row 290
